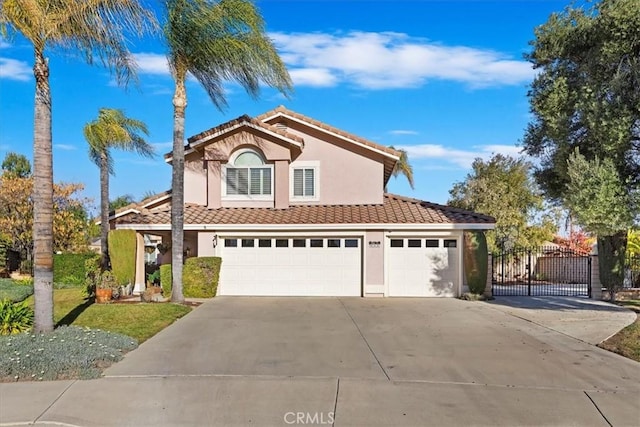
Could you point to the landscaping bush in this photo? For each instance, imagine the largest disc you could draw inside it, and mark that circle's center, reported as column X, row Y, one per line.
column 199, row 277
column 66, row 353
column 92, row 276
column 475, row 259
column 122, row 253
column 15, row 290
column 166, row 279
column 69, row 269
column 15, row 317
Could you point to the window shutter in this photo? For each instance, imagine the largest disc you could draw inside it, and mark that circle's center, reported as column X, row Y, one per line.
column 266, row 181
column 243, row 181
column 309, row 182
column 298, row 184
column 232, row 178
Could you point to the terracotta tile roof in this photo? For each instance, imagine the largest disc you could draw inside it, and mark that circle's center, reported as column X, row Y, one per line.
column 193, row 141
column 394, row 210
column 282, row 109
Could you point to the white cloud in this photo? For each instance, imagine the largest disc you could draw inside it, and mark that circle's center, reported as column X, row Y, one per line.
column 403, row 132
column 316, row 77
column 152, row 63
column 4, row 44
column 65, row 147
column 460, row 158
column 13, row 69
column 393, row 60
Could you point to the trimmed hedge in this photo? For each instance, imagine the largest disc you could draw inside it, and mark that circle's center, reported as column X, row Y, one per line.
column 475, row 259
column 166, row 279
column 122, row 253
column 69, row 269
column 199, row 277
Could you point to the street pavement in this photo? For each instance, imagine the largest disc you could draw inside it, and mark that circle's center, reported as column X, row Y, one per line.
column 358, row 362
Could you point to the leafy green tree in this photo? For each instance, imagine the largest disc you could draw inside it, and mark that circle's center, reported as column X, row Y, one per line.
column 214, row 41
column 601, row 205
column 586, row 96
column 91, row 30
column 503, row 188
column 16, row 165
column 403, row 167
column 121, row 202
column 112, row 130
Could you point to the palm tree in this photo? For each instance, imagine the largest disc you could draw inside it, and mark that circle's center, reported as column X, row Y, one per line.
column 91, row 29
column 112, row 129
column 215, row 41
column 403, row 167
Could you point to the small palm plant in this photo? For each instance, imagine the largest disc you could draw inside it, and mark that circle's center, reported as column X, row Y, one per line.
column 15, row 318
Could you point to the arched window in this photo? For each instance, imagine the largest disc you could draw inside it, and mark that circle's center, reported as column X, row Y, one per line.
column 247, row 176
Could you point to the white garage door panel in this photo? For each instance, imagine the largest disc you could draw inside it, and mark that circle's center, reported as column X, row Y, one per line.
column 423, row 271
column 291, row 271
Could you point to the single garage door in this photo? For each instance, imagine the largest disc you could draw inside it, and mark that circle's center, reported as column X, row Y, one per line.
column 421, row 267
column 284, row 266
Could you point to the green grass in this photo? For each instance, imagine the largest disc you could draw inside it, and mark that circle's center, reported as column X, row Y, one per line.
column 15, row 291
column 627, row 341
column 140, row 321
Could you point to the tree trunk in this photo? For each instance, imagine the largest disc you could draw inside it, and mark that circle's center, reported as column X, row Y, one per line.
column 42, row 199
column 177, row 189
column 611, row 257
column 104, row 209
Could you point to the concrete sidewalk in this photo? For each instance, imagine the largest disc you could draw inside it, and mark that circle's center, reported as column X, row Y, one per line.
column 354, row 362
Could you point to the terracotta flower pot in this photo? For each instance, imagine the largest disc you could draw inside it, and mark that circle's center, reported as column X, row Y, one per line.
column 103, row 295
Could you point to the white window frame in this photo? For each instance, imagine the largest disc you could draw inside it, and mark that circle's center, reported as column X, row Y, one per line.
column 315, row 165
column 240, row 197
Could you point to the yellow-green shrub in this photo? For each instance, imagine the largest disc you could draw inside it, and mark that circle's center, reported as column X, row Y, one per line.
column 122, row 253
column 199, row 277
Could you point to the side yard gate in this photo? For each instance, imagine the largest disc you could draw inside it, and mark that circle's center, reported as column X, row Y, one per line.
column 543, row 271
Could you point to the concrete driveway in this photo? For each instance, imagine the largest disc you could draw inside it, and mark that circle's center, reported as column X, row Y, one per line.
column 353, row 362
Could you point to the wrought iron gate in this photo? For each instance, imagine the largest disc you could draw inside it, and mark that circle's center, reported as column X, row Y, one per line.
column 543, row 271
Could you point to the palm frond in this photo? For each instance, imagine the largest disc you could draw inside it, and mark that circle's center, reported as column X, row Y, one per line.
column 403, row 167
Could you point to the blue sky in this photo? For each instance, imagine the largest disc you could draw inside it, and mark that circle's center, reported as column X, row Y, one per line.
column 445, row 80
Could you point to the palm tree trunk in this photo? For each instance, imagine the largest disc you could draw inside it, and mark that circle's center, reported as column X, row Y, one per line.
column 42, row 198
column 177, row 189
column 104, row 209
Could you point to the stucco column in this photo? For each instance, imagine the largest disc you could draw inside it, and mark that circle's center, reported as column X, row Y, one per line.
column 281, row 184
column 214, row 182
column 140, row 273
column 596, row 286
column 488, row 287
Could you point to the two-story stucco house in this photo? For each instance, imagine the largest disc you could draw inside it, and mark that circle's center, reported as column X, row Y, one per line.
column 297, row 207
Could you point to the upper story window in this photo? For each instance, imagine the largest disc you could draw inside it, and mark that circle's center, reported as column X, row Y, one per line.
column 246, row 176
column 304, row 181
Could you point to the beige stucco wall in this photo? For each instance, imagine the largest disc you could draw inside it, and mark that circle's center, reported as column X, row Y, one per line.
column 276, row 153
column 373, row 244
column 348, row 174
column 195, row 180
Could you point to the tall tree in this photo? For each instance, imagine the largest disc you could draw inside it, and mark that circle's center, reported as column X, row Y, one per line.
column 403, row 167
column 586, row 96
column 121, row 202
column 597, row 197
column 90, row 29
column 112, row 130
column 16, row 165
column 214, row 41
column 503, row 187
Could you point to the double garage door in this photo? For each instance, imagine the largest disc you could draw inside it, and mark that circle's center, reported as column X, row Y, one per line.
column 282, row 266
column 332, row 266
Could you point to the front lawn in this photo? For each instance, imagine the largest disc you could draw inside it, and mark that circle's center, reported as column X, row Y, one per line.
column 627, row 341
column 139, row 321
